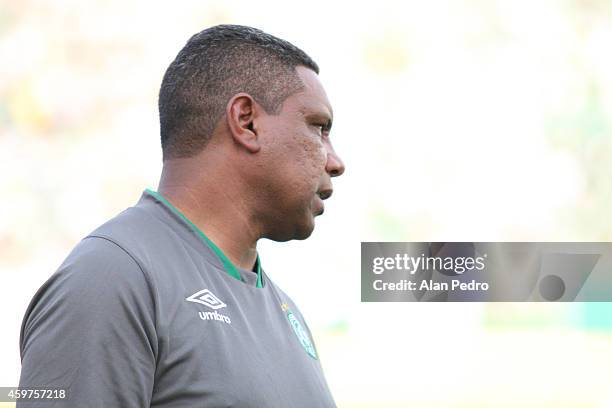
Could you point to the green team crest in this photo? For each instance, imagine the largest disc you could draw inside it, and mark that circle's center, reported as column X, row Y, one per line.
column 302, row 335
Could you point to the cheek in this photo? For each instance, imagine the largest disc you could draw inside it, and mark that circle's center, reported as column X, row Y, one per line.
column 314, row 157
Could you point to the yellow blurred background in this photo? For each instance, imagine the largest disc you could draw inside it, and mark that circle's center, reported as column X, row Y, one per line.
column 466, row 120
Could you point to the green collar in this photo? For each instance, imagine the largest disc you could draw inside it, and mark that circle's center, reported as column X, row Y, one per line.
column 227, row 264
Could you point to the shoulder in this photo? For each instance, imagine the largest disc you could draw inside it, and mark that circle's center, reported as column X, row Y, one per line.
column 130, row 229
column 95, row 268
column 98, row 259
column 96, row 313
column 98, row 280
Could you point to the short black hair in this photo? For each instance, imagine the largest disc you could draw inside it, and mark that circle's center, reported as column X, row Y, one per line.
column 213, row 66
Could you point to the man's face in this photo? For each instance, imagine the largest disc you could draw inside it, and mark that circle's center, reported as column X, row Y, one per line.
column 299, row 160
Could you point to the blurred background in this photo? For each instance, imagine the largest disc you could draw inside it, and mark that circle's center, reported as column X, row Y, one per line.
column 473, row 120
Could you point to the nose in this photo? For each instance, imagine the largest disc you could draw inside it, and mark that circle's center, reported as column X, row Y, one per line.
column 335, row 165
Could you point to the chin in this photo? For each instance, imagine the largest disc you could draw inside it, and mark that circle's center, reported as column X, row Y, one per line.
column 299, row 232
column 304, row 233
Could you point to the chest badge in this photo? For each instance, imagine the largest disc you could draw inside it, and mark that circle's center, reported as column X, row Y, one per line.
column 299, row 331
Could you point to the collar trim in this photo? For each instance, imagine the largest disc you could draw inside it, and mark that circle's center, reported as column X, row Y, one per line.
column 227, row 264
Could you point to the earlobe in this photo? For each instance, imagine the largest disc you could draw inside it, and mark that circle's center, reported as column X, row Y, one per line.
column 241, row 112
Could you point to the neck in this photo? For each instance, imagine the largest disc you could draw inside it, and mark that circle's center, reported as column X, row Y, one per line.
column 215, row 205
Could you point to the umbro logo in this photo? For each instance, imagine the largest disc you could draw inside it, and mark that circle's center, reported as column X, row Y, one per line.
column 206, row 298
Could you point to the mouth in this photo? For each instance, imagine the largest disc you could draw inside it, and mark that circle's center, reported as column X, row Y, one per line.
column 322, row 194
column 319, row 207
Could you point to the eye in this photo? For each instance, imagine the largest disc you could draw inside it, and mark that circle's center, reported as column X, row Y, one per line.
column 323, row 127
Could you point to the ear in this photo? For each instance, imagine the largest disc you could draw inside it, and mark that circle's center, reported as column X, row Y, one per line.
column 241, row 112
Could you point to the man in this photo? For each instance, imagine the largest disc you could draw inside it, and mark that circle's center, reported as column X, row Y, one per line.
column 167, row 304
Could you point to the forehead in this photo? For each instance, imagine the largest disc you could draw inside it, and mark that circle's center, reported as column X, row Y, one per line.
column 313, row 98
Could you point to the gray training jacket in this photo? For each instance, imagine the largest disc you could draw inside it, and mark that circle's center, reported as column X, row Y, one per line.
column 146, row 311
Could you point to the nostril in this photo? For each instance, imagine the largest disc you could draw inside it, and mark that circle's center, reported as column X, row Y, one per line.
column 336, row 171
column 335, row 166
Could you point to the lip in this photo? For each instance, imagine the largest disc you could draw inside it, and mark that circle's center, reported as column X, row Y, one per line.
column 319, row 206
column 322, row 194
column 325, row 193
